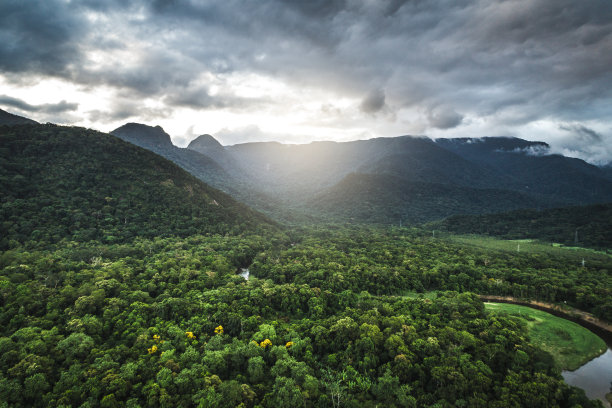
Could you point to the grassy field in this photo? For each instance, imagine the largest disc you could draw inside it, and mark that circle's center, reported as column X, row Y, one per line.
column 530, row 246
column 570, row 344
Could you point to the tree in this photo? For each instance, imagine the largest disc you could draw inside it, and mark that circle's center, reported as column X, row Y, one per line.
column 286, row 393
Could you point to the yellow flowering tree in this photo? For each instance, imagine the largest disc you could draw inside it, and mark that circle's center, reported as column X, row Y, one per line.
column 190, row 335
column 219, row 329
column 265, row 343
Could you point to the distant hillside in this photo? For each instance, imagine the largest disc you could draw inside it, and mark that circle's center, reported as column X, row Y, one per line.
column 297, row 172
column 215, row 168
column 387, row 199
column 282, row 180
column 589, row 226
column 210, row 147
column 204, row 143
column 607, row 170
column 529, row 167
column 158, row 141
column 9, row 119
column 77, row 184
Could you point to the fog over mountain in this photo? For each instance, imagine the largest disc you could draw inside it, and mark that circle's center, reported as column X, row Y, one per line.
column 298, row 71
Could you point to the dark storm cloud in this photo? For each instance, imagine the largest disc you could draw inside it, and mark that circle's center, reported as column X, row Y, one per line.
column 39, row 36
column 581, row 141
column 201, row 98
column 316, row 8
column 60, row 107
column 373, row 102
column 444, row 118
column 583, row 132
column 508, row 63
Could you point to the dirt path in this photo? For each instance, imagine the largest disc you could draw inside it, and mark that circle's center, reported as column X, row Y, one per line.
column 596, row 325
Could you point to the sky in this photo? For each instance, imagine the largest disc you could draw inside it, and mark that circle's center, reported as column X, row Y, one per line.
column 297, row 71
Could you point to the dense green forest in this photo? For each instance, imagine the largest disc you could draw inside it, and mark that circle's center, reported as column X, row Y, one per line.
column 388, row 261
column 589, row 226
column 386, row 199
column 167, row 322
column 80, row 185
column 120, row 286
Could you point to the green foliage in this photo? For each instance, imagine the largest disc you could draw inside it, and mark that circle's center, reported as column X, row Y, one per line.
column 73, row 184
column 349, row 348
column 386, row 199
column 119, row 286
column 587, row 226
column 570, row 344
column 393, row 261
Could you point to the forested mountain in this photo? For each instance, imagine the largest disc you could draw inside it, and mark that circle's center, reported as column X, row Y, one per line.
column 215, row 168
column 384, row 179
column 387, row 199
column 158, row 141
column 529, row 167
column 311, row 167
column 210, row 147
column 505, row 163
column 10, row 119
column 77, row 184
column 589, row 226
column 119, row 287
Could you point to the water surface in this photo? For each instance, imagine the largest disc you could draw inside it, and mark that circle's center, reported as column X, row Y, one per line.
column 244, row 272
column 594, row 377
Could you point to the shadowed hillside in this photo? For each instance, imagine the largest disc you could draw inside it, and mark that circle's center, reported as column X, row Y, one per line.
column 77, row 184
column 589, row 226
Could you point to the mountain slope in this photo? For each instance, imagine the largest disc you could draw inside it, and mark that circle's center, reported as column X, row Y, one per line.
column 420, row 159
column 589, row 226
column 204, row 143
column 10, row 119
column 158, row 141
column 296, row 172
column 529, row 167
column 282, row 179
column 206, row 167
column 78, row 184
column 211, row 148
column 387, row 199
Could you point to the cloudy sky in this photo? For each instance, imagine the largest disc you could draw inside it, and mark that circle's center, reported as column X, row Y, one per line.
column 298, row 70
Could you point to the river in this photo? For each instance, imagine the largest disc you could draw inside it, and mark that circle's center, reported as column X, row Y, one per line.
column 244, row 272
column 594, row 377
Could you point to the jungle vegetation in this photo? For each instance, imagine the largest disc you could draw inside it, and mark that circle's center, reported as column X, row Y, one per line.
column 119, row 286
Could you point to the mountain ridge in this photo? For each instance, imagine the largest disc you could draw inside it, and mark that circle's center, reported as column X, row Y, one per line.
column 10, row 119
column 78, row 184
column 276, row 177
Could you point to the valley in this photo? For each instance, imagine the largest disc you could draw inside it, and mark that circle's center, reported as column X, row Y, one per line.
column 128, row 281
column 305, row 204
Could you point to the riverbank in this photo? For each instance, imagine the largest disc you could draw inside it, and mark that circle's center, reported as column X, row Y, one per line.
column 570, row 344
column 600, row 327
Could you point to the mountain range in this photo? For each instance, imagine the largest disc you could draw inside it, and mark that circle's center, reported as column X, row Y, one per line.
column 68, row 183
column 404, row 179
column 383, row 180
